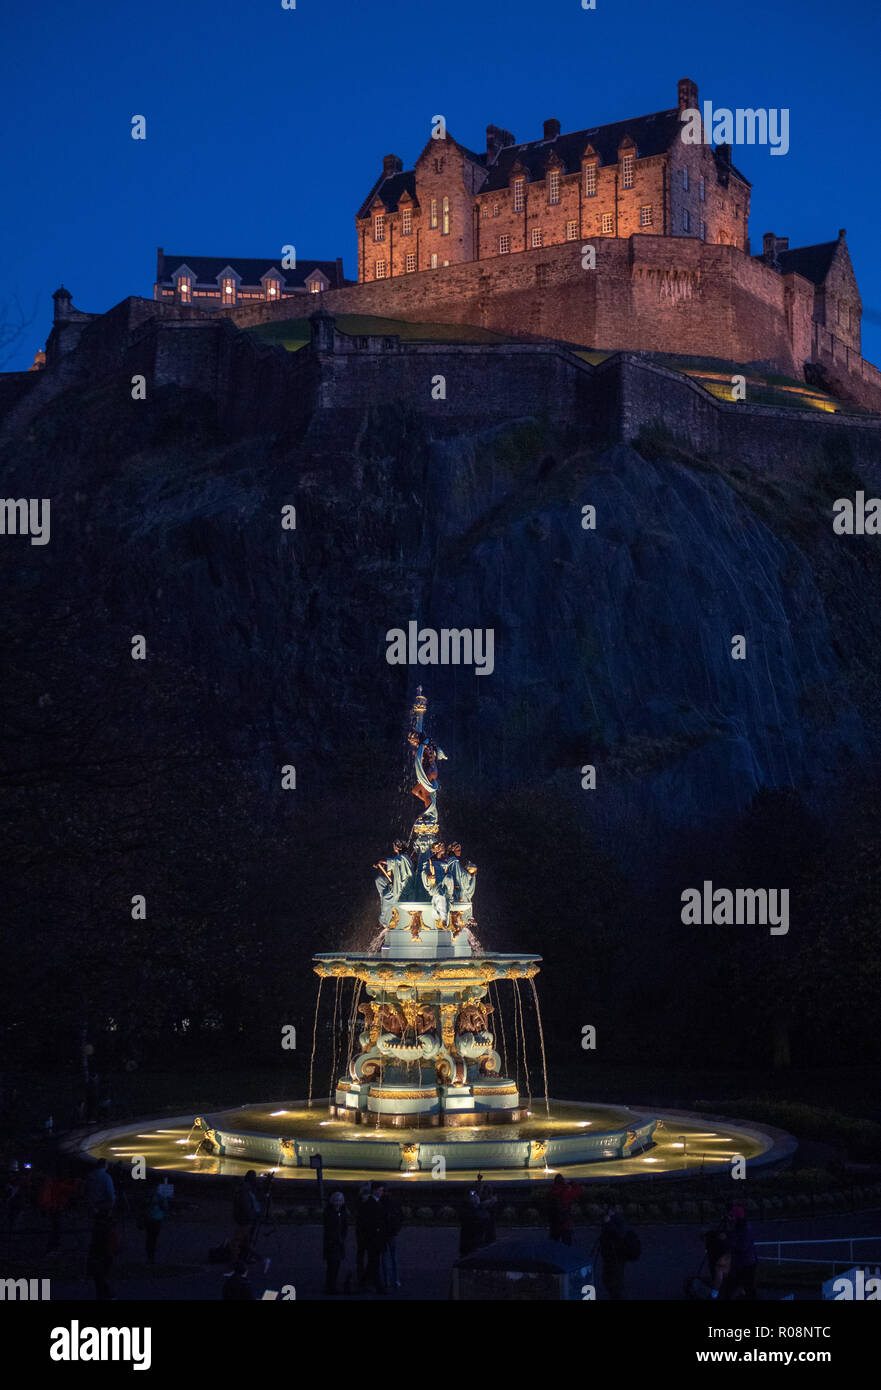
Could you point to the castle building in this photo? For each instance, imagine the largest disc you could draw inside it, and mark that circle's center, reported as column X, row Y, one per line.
column 211, row 282
column 630, row 177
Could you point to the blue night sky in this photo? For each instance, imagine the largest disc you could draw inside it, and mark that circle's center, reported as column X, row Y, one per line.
column 267, row 126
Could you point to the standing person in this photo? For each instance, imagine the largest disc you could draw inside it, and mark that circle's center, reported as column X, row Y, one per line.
column 744, row 1259
column 99, row 1190
column 103, row 1248
column 393, row 1222
column 245, row 1211
column 375, row 1238
column 364, row 1195
column 488, row 1204
column 613, row 1246
column 472, row 1224
column 563, row 1195
column 53, row 1199
column 155, row 1212
column 717, row 1243
column 336, row 1224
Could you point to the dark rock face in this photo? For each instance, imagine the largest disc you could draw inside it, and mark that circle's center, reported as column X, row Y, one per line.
column 267, row 647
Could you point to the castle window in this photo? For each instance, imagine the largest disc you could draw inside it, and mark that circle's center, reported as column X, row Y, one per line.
column 272, row 289
column 434, row 260
column 496, row 209
column 379, row 227
column 411, row 263
column 484, row 211
column 627, row 171
column 445, row 229
column 519, row 195
column 590, row 180
column 571, row 231
column 608, row 224
column 536, row 236
column 703, row 190
column 504, row 245
column 380, row 270
column 314, row 287
column 646, row 216
column 554, row 186
column 407, row 222
column 686, row 220
column 184, row 284
column 542, row 275
column 229, row 290
column 685, row 178
column 703, row 230
column 432, row 221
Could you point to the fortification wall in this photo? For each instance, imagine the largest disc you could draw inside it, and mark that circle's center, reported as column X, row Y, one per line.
column 647, row 293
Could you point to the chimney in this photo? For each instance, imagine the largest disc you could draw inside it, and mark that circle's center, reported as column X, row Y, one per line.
column 496, row 140
column 772, row 246
column 723, row 152
column 783, row 243
column 687, row 94
column 552, row 129
column 842, row 233
column 391, row 164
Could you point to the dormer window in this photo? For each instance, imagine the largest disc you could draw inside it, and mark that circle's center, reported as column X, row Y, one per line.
column 519, row 195
column 554, row 186
column 590, row 180
column 315, row 287
column 228, row 290
column 627, row 171
column 185, row 287
column 273, row 289
column 407, row 222
column 379, row 227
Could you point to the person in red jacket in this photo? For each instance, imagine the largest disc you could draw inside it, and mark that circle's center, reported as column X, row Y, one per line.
column 564, row 1194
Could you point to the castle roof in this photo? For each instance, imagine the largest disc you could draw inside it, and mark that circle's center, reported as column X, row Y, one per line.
column 390, row 188
column 250, row 269
column 651, row 134
column 812, row 262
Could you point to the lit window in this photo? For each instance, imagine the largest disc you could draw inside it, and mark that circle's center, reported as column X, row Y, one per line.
column 484, row 211
column 272, row 289
column 229, row 288
column 571, row 231
column 407, row 222
column 536, row 236
column 608, row 224
column 519, row 195
column 434, row 260
column 314, row 287
column 554, row 186
column 686, row 220
column 504, row 245
column 645, row 215
column 411, row 262
column 446, row 263
column 445, row 229
column 433, row 219
column 590, row 180
column 496, row 209
column 627, row 171
column 380, row 270
column 685, row 178
column 184, row 284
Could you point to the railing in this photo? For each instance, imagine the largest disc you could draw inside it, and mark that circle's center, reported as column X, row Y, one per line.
column 849, row 1241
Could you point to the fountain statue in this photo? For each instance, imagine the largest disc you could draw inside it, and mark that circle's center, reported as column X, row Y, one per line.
column 427, row 1050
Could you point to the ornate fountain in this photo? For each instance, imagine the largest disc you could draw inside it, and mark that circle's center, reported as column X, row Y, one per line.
column 427, row 1047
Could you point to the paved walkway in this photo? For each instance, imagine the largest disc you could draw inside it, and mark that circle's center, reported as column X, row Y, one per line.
column 425, row 1256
